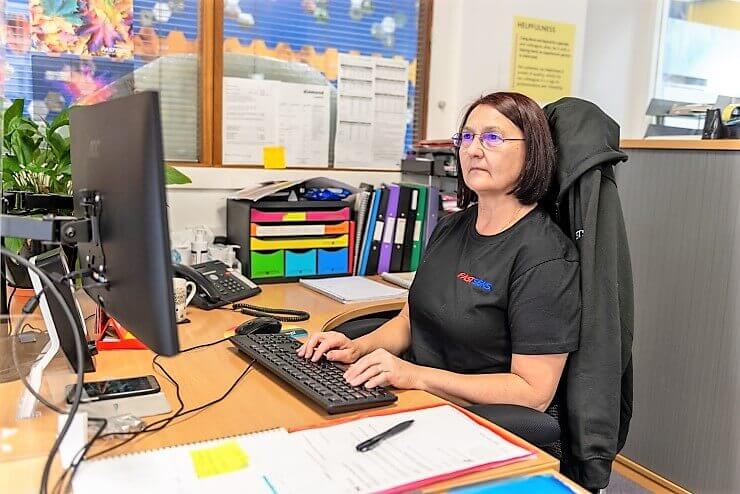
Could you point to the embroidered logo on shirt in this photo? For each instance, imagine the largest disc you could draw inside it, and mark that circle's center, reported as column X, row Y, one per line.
column 482, row 285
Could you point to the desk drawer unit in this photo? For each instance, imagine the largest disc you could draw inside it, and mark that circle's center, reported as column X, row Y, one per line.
column 284, row 241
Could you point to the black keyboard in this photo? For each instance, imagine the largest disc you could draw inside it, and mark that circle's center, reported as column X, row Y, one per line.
column 320, row 381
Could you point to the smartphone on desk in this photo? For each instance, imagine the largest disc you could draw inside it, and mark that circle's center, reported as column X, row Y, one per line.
column 216, row 284
column 115, row 388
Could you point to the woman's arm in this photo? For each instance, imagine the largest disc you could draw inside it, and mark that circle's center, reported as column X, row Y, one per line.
column 532, row 382
column 394, row 335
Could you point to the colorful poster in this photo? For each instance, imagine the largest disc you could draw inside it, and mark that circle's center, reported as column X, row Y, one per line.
column 61, row 81
column 542, row 58
column 83, row 27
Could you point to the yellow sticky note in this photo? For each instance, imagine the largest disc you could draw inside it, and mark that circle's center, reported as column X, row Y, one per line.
column 224, row 458
column 273, row 156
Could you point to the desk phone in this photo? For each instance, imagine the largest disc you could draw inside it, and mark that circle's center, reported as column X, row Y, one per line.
column 217, row 284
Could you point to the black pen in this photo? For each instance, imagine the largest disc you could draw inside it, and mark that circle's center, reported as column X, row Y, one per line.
column 373, row 441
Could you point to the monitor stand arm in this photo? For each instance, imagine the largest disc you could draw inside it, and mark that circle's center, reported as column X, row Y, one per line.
column 60, row 230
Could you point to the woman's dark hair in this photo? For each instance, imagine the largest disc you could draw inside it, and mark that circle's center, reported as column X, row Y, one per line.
column 539, row 160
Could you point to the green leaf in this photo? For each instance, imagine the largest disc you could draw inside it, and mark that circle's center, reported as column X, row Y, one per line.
column 174, row 176
column 13, row 244
column 59, row 145
column 23, row 148
column 60, row 120
column 10, row 164
column 13, row 111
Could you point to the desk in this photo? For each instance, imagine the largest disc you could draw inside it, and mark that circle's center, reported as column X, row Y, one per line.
column 258, row 402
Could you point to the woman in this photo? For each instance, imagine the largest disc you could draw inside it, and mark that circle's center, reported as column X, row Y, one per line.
column 494, row 309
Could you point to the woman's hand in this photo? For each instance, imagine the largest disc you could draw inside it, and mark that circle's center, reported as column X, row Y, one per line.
column 382, row 368
column 334, row 345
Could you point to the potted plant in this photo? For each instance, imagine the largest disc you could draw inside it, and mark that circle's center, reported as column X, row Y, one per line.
column 36, row 158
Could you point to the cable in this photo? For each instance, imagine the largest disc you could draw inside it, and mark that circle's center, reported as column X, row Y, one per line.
column 59, row 485
column 255, row 310
column 159, row 424
column 10, row 301
column 43, row 488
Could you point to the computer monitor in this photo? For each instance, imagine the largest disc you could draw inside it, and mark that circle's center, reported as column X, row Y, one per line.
column 58, row 325
column 117, row 152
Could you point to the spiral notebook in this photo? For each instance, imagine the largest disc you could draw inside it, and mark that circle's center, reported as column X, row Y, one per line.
column 442, row 443
column 244, row 463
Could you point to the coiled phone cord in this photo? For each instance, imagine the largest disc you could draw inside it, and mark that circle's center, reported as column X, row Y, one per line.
column 290, row 315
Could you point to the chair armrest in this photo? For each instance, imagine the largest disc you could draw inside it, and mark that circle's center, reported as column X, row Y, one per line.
column 533, row 426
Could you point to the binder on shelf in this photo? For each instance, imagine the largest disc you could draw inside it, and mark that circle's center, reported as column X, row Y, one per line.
column 432, row 212
column 386, row 246
column 419, row 228
column 369, row 231
column 363, row 209
column 408, row 237
column 378, row 233
column 404, row 204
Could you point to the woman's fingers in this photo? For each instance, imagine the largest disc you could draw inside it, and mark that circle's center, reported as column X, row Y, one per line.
column 309, row 345
column 323, row 346
column 368, row 373
column 359, row 367
column 380, row 379
column 344, row 355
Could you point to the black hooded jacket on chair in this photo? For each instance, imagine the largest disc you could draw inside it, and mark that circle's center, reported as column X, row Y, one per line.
column 597, row 391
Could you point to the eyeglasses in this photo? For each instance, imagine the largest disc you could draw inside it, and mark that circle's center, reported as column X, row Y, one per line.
column 489, row 140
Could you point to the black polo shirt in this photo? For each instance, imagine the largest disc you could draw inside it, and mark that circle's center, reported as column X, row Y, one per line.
column 477, row 299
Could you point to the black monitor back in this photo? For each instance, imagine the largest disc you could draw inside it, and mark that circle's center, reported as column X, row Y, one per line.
column 117, row 152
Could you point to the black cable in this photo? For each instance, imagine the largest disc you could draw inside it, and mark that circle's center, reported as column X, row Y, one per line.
column 47, row 283
column 22, row 377
column 10, row 301
column 59, row 485
column 292, row 315
column 162, row 423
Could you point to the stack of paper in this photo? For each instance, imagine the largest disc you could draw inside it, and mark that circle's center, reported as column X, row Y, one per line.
column 353, row 289
column 441, row 443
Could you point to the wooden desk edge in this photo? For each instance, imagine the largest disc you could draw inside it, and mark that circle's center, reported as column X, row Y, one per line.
column 365, row 310
column 695, row 144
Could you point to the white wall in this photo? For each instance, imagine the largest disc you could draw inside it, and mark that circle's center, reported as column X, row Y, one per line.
column 204, row 201
column 614, row 55
column 620, row 58
column 471, row 51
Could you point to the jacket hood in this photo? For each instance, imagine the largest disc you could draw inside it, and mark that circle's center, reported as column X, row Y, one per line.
column 584, row 136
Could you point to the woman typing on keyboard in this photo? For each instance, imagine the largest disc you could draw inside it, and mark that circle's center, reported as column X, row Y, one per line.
column 494, row 309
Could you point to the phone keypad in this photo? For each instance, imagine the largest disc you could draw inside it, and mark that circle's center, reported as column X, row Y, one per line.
column 228, row 284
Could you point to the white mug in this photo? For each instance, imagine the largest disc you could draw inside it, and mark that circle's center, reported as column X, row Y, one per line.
column 184, row 291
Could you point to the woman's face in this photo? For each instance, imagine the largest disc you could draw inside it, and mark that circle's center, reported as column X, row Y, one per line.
column 496, row 168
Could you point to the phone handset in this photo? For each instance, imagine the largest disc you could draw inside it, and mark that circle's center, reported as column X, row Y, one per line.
column 205, row 287
column 216, row 284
